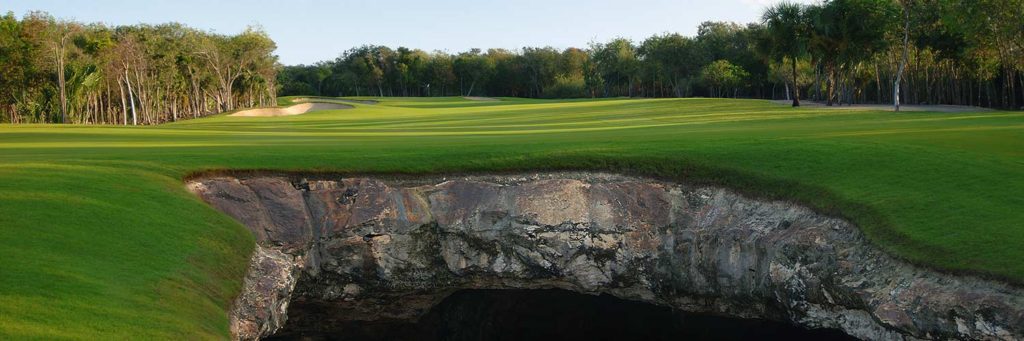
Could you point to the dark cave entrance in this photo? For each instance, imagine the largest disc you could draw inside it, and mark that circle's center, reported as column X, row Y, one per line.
column 553, row 314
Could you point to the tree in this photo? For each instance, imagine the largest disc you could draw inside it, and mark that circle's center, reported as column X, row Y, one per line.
column 959, row 54
column 674, row 59
column 59, row 35
column 903, row 61
column 994, row 31
column 411, row 66
column 787, row 37
column 62, row 71
column 782, row 70
column 722, row 74
column 306, row 80
column 541, row 65
column 473, row 67
column 230, row 56
column 509, row 75
column 573, row 61
column 927, row 51
column 442, row 72
column 844, row 32
column 18, row 70
column 617, row 64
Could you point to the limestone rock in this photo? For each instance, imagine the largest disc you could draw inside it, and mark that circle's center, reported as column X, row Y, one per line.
column 364, row 248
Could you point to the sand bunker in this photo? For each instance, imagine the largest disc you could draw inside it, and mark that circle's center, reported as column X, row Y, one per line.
column 297, row 109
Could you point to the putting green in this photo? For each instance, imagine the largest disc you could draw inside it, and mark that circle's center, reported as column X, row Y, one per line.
column 101, row 239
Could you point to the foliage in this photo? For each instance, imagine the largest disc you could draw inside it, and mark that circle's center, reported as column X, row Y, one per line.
column 786, row 37
column 721, row 75
column 567, row 86
column 60, row 71
column 782, row 72
column 672, row 59
column 962, row 53
column 967, row 53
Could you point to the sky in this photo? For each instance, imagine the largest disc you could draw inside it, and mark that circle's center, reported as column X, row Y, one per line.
column 307, row 31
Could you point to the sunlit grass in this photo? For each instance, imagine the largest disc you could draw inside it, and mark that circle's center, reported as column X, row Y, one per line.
column 102, row 241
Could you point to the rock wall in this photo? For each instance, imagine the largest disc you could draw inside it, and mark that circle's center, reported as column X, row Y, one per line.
column 366, row 249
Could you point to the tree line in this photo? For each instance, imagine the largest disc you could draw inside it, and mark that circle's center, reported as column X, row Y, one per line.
column 837, row 51
column 57, row 71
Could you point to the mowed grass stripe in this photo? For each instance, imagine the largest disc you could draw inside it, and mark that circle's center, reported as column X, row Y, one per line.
column 102, row 241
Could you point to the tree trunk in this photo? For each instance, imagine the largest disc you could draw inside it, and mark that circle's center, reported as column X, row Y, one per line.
column 228, row 97
column 878, row 85
column 903, row 62
column 61, row 82
column 124, row 105
column 197, row 99
column 796, row 86
column 1012, row 80
column 131, row 98
column 1020, row 76
column 830, row 85
column 817, row 82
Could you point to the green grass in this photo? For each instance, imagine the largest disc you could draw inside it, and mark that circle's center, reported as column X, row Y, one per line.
column 101, row 240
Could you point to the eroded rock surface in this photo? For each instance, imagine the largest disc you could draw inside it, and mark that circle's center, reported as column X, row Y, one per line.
column 369, row 249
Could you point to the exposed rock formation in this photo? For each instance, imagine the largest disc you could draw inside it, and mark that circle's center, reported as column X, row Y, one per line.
column 366, row 249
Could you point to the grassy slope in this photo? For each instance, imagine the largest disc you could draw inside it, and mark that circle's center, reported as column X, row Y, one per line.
column 100, row 239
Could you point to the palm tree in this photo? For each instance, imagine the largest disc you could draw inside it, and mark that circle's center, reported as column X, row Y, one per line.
column 787, row 33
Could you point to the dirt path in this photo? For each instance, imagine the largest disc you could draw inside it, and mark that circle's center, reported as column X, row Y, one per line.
column 297, row 109
column 888, row 107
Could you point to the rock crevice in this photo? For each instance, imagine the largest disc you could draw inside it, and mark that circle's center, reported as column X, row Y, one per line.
column 368, row 249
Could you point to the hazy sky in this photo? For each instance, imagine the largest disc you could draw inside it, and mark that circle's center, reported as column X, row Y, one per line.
column 307, row 31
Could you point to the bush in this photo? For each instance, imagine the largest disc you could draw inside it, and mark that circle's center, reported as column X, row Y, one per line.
column 567, row 86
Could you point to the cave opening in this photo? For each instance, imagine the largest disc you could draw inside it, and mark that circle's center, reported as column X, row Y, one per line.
column 550, row 314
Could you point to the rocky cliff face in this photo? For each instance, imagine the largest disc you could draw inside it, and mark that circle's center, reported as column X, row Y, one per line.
column 367, row 249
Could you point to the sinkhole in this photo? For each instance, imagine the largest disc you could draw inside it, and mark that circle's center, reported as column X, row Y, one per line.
column 543, row 314
column 479, row 257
